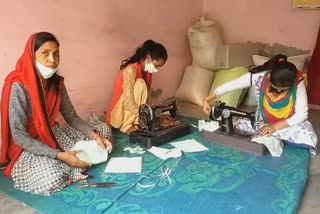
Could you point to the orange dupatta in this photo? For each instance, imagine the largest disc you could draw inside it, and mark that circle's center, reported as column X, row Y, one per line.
column 39, row 126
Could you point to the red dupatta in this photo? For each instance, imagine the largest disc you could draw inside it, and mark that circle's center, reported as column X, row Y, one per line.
column 118, row 88
column 44, row 110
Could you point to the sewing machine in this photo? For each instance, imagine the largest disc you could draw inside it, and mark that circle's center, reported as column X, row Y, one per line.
column 228, row 136
column 152, row 132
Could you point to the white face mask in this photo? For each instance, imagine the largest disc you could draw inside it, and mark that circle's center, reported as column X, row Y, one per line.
column 149, row 67
column 45, row 71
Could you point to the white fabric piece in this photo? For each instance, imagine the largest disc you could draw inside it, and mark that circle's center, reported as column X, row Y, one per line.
column 164, row 154
column 190, row 145
column 91, row 152
column 139, row 150
column 208, row 126
column 274, row 145
column 124, row 165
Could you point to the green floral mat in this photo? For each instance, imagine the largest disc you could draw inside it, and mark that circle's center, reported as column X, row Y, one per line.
column 220, row 180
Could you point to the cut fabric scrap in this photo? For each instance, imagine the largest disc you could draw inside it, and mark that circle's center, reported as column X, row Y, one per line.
column 138, row 149
column 164, row 154
column 274, row 145
column 124, row 165
column 190, row 145
column 91, row 152
column 210, row 126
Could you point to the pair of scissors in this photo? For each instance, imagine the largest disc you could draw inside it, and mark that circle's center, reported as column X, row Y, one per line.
column 97, row 185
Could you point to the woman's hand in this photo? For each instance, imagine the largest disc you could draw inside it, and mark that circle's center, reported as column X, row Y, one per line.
column 105, row 143
column 206, row 107
column 71, row 159
column 267, row 130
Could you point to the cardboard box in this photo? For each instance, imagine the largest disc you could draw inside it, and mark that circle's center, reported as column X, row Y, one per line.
column 230, row 56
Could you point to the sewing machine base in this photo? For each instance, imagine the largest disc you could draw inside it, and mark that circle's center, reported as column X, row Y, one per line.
column 236, row 141
column 148, row 139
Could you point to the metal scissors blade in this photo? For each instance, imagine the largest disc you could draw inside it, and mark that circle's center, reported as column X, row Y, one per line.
column 97, row 185
column 104, row 184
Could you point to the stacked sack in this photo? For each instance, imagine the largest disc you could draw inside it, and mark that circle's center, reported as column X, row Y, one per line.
column 214, row 64
column 203, row 37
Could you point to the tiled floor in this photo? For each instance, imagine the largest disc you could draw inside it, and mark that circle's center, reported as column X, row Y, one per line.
column 309, row 205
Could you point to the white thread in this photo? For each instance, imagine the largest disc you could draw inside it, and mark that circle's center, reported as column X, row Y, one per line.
column 165, row 174
column 237, row 207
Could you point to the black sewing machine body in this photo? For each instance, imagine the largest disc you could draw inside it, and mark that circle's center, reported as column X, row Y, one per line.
column 151, row 132
column 226, row 135
column 227, row 113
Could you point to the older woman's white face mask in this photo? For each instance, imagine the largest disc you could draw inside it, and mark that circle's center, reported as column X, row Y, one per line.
column 47, row 59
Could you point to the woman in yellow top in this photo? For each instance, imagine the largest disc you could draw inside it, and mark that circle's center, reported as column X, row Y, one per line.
column 132, row 85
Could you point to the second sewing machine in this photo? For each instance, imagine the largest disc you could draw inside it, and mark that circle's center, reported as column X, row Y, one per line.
column 152, row 132
column 228, row 136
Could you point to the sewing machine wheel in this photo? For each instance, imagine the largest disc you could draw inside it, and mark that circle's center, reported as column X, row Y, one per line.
column 225, row 113
column 145, row 115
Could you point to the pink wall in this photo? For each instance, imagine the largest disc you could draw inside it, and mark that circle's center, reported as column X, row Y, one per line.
column 96, row 36
column 265, row 20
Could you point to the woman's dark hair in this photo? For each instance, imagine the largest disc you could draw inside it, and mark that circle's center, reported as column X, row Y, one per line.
column 282, row 72
column 40, row 39
column 155, row 50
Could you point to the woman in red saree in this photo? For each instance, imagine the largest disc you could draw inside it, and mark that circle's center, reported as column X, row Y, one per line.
column 34, row 149
column 132, row 84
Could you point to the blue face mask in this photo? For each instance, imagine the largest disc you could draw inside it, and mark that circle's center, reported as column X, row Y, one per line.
column 45, row 71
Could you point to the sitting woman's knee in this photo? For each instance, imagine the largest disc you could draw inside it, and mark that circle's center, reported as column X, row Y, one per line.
column 140, row 84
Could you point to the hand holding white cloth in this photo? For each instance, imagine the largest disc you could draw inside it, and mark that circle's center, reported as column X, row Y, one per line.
column 91, row 152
